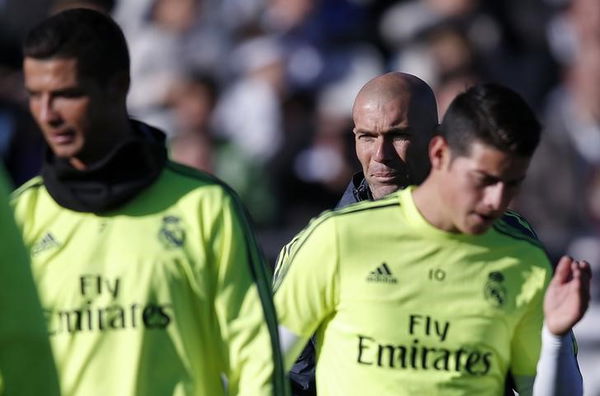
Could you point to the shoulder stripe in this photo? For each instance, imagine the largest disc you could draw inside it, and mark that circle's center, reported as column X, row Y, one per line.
column 517, row 221
column 391, row 200
column 36, row 182
column 289, row 251
column 360, row 208
column 195, row 174
column 515, row 226
column 192, row 173
column 283, row 257
column 507, row 230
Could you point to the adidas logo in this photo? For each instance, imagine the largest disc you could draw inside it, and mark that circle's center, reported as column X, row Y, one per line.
column 382, row 274
column 48, row 241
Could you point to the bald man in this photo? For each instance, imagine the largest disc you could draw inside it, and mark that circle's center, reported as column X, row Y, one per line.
column 395, row 117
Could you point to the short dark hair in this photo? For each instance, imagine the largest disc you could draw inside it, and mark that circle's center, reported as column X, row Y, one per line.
column 94, row 39
column 494, row 115
column 106, row 6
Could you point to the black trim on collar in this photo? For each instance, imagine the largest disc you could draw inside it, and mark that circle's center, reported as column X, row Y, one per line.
column 111, row 182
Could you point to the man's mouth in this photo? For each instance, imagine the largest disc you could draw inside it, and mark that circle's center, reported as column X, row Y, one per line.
column 387, row 176
column 61, row 138
column 486, row 218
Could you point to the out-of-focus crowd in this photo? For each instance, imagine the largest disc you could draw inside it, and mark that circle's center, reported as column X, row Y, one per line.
column 259, row 93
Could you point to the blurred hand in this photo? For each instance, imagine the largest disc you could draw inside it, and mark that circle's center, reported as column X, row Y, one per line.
column 568, row 295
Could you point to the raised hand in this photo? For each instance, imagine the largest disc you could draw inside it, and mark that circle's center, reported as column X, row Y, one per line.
column 568, row 295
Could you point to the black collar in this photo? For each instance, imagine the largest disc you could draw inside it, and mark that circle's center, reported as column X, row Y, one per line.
column 114, row 180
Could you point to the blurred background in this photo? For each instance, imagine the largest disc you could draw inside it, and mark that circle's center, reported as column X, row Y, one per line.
column 259, row 93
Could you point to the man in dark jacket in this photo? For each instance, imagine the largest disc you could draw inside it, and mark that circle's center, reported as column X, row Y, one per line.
column 395, row 116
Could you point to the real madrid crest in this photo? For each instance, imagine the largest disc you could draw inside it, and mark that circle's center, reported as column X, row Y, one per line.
column 494, row 290
column 172, row 233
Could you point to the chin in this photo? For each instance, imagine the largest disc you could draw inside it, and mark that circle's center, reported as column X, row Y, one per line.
column 65, row 152
column 382, row 191
column 479, row 231
column 62, row 154
column 476, row 229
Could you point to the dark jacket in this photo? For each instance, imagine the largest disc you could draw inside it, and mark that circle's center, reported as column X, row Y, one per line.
column 357, row 190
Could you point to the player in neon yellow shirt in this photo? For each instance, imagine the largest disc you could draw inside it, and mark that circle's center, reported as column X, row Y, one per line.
column 26, row 364
column 148, row 272
column 392, row 159
column 436, row 290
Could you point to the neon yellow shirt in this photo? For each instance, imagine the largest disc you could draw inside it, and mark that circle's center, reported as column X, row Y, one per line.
column 26, row 364
column 167, row 295
column 402, row 308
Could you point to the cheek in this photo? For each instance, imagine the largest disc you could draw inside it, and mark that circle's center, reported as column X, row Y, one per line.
column 34, row 108
column 78, row 113
column 363, row 152
column 465, row 195
column 404, row 149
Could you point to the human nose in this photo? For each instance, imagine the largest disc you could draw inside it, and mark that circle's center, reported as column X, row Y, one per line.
column 48, row 112
column 382, row 150
column 496, row 197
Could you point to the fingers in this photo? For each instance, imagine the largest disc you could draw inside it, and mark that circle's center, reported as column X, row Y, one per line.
column 582, row 270
column 568, row 295
column 586, row 269
column 580, row 284
column 563, row 270
column 584, row 274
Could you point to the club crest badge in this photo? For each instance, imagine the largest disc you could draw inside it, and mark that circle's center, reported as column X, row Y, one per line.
column 172, row 233
column 494, row 290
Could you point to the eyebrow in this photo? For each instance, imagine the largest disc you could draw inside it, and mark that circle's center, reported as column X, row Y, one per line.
column 60, row 91
column 404, row 130
column 496, row 178
column 391, row 131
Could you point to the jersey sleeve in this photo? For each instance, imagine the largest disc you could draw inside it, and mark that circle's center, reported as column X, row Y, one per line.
column 244, row 307
column 306, row 285
column 26, row 363
column 526, row 342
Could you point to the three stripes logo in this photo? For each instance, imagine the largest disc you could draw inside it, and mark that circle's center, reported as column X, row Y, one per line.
column 382, row 274
column 47, row 242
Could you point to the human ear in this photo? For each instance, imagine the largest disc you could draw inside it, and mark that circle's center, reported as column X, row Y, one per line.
column 438, row 152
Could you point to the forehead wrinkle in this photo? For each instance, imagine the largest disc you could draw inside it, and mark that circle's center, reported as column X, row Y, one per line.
column 399, row 91
column 376, row 111
column 381, row 117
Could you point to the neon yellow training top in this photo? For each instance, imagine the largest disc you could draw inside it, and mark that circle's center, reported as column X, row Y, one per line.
column 403, row 308
column 167, row 295
column 26, row 365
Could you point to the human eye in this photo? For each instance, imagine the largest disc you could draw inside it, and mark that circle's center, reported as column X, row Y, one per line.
column 515, row 183
column 400, row 135
column 363, row 136
column 69, row 93
column 32, row 95
column 482, row 180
